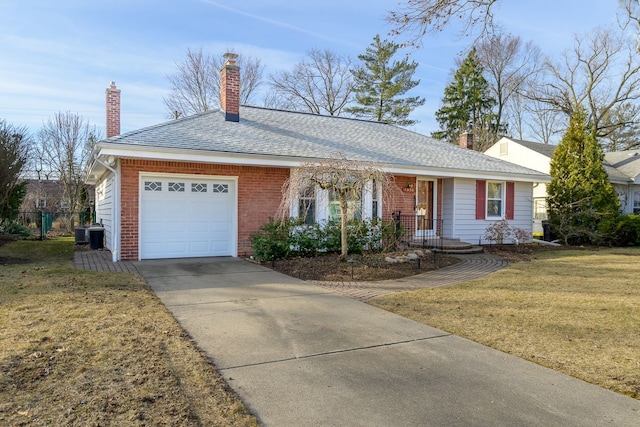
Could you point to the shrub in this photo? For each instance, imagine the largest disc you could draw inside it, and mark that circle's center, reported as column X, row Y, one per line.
column 272, row 240
column 14, row 227
column 498, row 232
column 281, row 239
column 306, row 240
column 627, row 230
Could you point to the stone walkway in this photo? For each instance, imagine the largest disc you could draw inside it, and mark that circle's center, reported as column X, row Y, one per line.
column 470, row 267
column 101, row 260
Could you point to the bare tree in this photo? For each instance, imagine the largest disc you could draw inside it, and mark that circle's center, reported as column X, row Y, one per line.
column 195, row 86
column 600, row 73
column 624, row 137
column 510, row 67
column 65, row 143
column 346, row 178
column 543, row 122
column 320, row 84
column 631, row 11
column 420, row 17
column 14, row 154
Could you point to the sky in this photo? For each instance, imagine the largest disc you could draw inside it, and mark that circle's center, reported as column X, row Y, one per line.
column 62, row 55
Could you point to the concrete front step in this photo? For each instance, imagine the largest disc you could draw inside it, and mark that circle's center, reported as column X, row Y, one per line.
column 448, row 246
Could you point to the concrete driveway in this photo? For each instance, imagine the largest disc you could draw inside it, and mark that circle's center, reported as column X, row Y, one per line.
column 299, row 355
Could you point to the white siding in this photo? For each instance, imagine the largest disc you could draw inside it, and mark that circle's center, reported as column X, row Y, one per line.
column 104, row 207
column 469, row 229
column 448, row 207
column 520, row 155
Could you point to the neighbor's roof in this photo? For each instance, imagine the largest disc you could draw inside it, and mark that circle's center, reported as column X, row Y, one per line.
column 614, row 172
column 277, row 133
column 544, row 149
column 627, row 162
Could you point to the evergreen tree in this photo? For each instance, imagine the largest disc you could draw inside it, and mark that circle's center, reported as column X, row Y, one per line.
column 467, row 106
column 380, row 83
column 14, row 155
column 580, row 197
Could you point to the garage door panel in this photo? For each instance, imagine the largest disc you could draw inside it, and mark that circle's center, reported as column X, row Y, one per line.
column 187, row 223
column 175, row 226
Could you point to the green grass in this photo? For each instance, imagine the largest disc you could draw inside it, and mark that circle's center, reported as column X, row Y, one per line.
column 87, row 348
column 574, row 311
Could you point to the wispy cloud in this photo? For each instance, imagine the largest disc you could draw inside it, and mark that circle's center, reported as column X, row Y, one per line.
column 278, row 23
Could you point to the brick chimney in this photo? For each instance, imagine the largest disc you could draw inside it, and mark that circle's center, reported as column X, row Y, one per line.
column 113, row 110
column 466, row 140
column 230, row 88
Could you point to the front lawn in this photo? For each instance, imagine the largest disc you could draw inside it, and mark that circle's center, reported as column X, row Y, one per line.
column 86, row 348
column 575, row 311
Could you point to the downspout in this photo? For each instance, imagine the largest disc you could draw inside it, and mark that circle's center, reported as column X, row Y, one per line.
column 115, row 218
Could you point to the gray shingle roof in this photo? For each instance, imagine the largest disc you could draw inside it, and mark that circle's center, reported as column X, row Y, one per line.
column 277, row 133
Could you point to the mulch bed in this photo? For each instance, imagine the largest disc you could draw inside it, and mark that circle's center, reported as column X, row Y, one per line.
column 370, row 267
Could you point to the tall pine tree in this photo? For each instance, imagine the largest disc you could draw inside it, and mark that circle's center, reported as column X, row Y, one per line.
column 467, row 106
column 580, row 196
column 380, row 84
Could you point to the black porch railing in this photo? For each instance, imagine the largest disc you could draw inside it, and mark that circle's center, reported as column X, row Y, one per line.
column 419, row 231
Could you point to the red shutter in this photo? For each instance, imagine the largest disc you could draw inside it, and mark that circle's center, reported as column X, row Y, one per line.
column 481, row 199
column 510, row 196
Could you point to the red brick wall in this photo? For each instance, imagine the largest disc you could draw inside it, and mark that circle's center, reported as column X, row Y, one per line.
column 113, row 110
column 400, row 198
column 259, row 195
column 230, row 86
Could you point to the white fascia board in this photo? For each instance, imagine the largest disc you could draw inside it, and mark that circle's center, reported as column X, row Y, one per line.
column 154, row 153
column 459, row 173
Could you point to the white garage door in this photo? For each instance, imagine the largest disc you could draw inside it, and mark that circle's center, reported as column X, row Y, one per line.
column 187, row 217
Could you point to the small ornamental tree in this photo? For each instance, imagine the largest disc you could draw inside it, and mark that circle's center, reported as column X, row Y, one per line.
column 580, row 196
column 346, row 178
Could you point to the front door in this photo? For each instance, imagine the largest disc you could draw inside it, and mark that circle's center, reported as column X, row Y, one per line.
column 425, row 212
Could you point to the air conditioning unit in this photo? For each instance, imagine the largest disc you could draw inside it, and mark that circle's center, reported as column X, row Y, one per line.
column 82, row 235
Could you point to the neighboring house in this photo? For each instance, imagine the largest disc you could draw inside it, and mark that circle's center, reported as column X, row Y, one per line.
column 48, row 195
column 43, row 195
column 622, row 167
column 201, row 185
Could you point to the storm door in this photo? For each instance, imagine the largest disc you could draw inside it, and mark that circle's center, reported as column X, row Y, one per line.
column 425, row 208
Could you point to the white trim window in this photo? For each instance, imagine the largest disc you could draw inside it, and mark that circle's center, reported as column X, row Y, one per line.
column 540, row 208
column 315, row 205
column 375, row 198
column 495, row 199
column 354, row 207
column 636, row 202
column 307, row 205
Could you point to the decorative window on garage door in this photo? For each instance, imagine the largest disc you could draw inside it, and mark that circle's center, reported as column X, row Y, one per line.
column 197, row 187
column 176, row 186
column 152, row 186
column 220, row 188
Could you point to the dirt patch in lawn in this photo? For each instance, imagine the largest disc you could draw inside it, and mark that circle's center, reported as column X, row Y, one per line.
column 368, row 268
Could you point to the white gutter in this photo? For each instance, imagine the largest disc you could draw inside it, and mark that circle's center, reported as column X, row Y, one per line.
column 199, row 156
column 115, row 232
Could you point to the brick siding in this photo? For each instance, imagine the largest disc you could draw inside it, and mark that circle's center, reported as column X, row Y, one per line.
column 259, row 195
